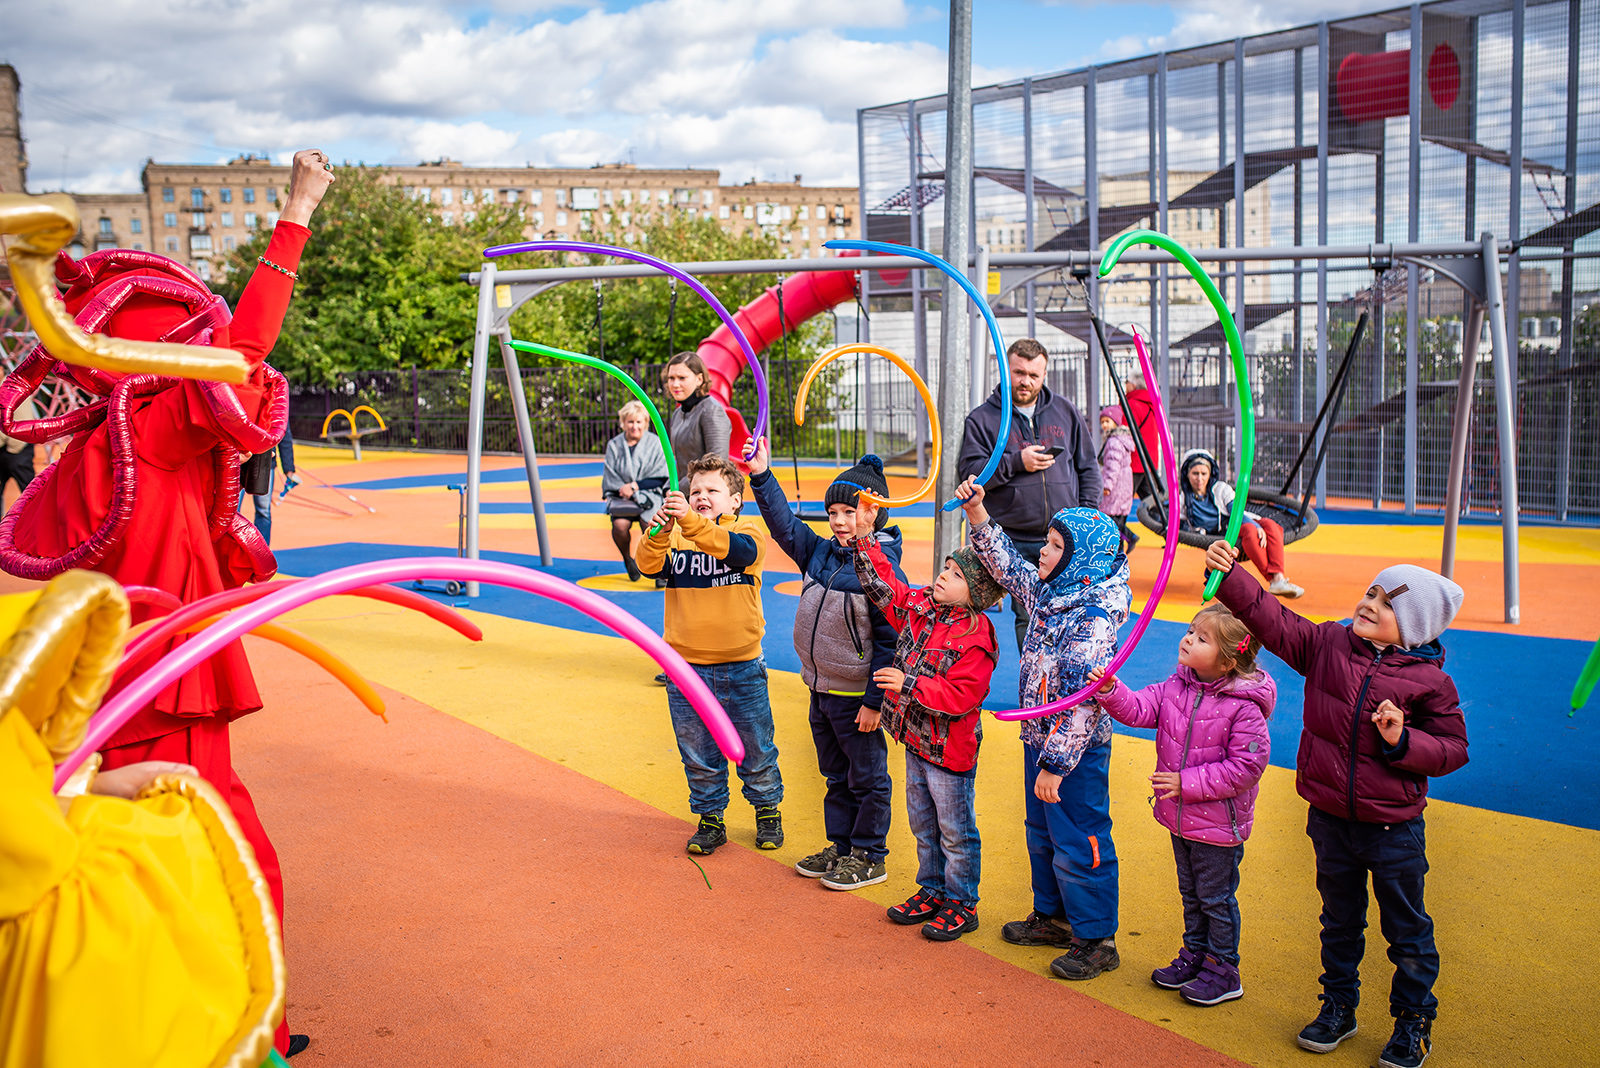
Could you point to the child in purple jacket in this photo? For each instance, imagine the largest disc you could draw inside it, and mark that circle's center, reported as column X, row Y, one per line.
column 1210, row 718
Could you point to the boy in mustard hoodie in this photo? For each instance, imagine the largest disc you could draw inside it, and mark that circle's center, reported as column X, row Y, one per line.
column 711, row 560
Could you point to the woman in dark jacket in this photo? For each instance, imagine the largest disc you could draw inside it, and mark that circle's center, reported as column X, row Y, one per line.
column 699, row 425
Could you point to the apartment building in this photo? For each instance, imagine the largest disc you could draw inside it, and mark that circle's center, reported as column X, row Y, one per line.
column 197, row 213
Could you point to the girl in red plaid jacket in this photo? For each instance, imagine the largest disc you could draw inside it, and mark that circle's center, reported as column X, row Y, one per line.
column 943, row 659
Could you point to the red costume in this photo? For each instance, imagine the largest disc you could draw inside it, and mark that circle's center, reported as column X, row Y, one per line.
column 147, row 490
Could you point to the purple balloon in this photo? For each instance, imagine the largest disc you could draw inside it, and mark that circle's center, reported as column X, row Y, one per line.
column 119, row 709
column 687, row 279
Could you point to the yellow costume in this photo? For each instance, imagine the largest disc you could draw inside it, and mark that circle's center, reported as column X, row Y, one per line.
column 131, row 932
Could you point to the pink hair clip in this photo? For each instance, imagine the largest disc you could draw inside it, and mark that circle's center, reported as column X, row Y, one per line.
column 1243, row 646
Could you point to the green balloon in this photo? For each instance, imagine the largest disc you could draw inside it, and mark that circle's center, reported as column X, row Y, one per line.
column 1586, row 679
column 627, row 380
column 1241, row 373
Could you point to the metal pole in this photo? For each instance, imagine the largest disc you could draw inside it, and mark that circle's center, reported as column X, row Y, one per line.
column 1298, row 348
column 1163, row 381
column 1238, row 210
column 919, row 307
column 1505, row 400
column 478, row 385
column 1460, row 431
column 953, row 346
column 1411, row 460
column 1321, row 479
column 1091, row 181
column 863, row 321
column 979, row 332
column 1564, row 357
column 1513, row 287
column 1027, row 188
column 530, row 452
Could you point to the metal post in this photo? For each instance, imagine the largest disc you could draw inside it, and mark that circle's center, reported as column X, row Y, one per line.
column 1505, row 401
column 1410, row 461
column 1163, row 381
column 864, row 322
column 475, row 402
column 919, row 307
column 530, row 452
column 1461, row 431
column 953, row 347
column 1298, row 321
column 1152, row 190
column 1238, row 208
column 1564, row 358
column 978, row 331
column 1027, row 188
column 1513, row 287
column 1091, row 181
column 1322, row 239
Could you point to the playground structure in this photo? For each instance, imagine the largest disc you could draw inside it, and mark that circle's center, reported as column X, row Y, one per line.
column 355, row 432
column 500, row 292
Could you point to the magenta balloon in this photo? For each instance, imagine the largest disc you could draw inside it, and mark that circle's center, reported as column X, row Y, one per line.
column 138, row 693
column 1167, row 556
column 160, row 601
column 589, row 247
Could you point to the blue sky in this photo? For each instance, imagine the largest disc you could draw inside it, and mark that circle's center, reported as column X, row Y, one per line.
column 757, row 88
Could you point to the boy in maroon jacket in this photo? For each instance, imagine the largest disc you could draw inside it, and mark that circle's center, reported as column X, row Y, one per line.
column 1381, row 716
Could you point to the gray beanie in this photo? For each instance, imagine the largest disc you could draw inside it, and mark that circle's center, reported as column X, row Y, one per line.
column 1424, row 602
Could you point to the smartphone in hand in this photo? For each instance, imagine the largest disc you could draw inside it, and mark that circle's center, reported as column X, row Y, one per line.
column 1053, row 451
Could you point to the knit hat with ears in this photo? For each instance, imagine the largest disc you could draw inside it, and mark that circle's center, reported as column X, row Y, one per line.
column 981, row 586
column 1424, row 603
column 867, row 474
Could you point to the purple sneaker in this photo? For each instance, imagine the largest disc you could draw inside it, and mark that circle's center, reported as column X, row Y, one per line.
column 1184, row 967
column 1217, row 982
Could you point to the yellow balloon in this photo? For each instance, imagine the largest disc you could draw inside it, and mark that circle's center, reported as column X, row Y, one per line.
column 927, row 400
column 41, row 226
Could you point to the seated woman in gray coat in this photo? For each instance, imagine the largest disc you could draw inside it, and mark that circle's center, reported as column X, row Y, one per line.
column 634, row 479
column 699, row 425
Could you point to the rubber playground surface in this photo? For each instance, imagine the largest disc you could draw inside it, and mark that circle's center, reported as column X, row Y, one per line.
column 496, row 876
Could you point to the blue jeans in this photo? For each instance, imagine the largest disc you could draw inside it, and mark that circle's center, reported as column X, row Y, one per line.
column 855, row 765
column 940, row 809
column 1396, row 855
column 1208, row 882
column 1069, row 845
column 741, row 688
column 262, row 502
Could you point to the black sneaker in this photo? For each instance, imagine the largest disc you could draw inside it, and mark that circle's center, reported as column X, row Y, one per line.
column 711, row 833
column 769, row 828
column 633, row 568
column 1410, row 1044
column 1038, row 930
column 1335, row 1023
column 1087, row 958
column 855, row 871
column 819, row 864
column 953, row 920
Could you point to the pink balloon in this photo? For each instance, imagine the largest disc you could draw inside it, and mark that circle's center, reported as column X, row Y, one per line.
column 171, row 667
column 1167, row 556
column 160, row 601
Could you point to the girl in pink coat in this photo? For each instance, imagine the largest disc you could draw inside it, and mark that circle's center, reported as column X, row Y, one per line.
column 1116, row 472
column 1210, row 719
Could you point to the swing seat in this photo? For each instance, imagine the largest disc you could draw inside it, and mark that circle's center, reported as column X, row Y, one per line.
column 1281, row 509
column 817, row 513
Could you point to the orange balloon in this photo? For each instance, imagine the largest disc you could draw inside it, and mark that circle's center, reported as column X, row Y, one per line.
column 927, row 400
column 319, row 655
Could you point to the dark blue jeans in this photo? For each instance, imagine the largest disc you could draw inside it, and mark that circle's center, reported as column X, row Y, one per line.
column 1208, row 882
column 263, row 507
column 855, row 766
column 741, row 687
column 1396, row 856
column 940, row 809
column 1069, row 845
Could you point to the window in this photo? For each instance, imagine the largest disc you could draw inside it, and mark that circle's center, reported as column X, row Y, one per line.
column 538, row 218
column 627, row 197
column 447, row 217
column 561, row 218
column 838, row 232
column 272, row 218
column 536, row 197
column 425, row 194
column 468, row 216
column 225, row 195
column 822, row 212
column 172, row 244
column 250, row 219
column 706, row 197
column 625, row 218
column 170, row 219
column 466, row 196
column 105, row 226
column 446, row 195
column 488, row 196
column 683, row 196
column 197, row 197
column 199, row 243
column 511, row 195
column 805, row 234
column 722, row 212
column 749, row 212
column 166, row 194
column 228, row 243
column 272, row 195
column 203, row 269
column 227, row 218
column 585, row 198
column 661, row 197
column 137, row 226
column 606, row 196
column 250, row 195
column 138, row 246
column 803, row 212
column 197, row 219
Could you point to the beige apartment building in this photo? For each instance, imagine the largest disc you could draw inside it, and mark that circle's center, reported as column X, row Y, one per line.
column 198, row 213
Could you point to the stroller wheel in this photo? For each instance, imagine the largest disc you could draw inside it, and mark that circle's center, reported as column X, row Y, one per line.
column 452, row 588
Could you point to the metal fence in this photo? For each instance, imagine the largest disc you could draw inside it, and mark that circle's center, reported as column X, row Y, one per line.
column 1431, row 123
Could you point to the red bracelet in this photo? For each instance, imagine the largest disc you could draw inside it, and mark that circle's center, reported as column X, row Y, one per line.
column 278, row 268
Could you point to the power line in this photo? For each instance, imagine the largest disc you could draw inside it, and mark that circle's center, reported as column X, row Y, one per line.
column 72, row 110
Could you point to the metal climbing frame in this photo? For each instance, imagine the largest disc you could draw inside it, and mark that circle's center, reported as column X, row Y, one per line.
column 501, row 292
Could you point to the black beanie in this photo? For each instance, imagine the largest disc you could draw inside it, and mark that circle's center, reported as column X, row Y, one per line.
column 867, row 474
